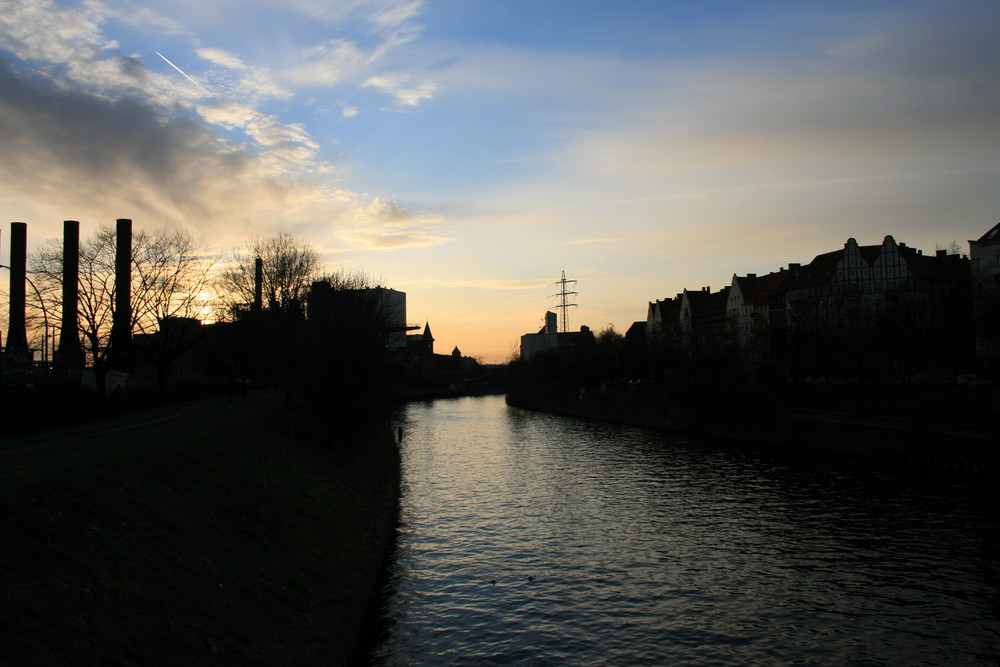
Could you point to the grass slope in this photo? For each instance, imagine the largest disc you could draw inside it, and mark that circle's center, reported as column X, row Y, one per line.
column 210, row 533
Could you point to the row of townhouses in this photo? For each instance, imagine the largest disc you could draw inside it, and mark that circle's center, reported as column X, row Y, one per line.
column 883, row 302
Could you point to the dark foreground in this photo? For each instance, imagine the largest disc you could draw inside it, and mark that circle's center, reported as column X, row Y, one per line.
column 206, row 533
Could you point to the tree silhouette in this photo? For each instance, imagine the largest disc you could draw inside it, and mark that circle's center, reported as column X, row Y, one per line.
column 288, row 267
column 169, row 273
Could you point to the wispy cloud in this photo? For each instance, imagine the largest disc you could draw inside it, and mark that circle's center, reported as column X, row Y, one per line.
column 402, row 88
column 504, row 285
column 329, row 63
column 858, row 106
column 385, row 225
column 607, row 239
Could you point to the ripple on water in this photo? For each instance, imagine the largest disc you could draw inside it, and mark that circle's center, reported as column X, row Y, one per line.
column 534, row 540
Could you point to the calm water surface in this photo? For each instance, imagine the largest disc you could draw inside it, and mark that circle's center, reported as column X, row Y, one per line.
column 532, row 539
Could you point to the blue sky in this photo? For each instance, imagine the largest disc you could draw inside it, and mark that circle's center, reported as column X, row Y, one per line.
column 468, row 151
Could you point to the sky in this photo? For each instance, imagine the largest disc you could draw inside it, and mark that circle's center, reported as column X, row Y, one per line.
column 468, row 152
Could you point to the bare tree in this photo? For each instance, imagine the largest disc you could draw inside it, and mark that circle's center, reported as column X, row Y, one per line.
column 96, row 291
column 169, row 274
column 953, row 247
column 288, row 267
column 170, row 279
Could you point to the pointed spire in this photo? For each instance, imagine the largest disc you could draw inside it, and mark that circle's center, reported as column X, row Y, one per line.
column 427, row 332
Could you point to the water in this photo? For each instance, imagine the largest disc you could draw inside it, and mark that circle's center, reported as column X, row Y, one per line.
column 532, row 539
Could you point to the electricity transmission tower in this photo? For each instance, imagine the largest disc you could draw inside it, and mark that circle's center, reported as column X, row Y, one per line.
column 564, row 305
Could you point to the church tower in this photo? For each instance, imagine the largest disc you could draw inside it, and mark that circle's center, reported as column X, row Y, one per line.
column 428, row 338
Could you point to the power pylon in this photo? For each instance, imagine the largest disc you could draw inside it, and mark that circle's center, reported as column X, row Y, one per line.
column 564, row 305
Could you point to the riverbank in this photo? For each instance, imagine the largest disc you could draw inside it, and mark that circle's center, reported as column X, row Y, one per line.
column 961, row 444
column 202, row 533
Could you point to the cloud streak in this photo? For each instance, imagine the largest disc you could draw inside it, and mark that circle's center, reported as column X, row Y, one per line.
column 182, row 72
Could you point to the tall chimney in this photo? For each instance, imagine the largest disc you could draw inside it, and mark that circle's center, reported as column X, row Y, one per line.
column 17, row 337
column 258, row 285
column 121, row 325
column 69, row 352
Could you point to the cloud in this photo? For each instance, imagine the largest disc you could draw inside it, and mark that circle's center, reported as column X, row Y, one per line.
column 91, row 133
column 325, row 64
column 222, row 58
column 66, row 44
column 42, row 30
column 385, row 224
column 88, row 156
column 230, row 78
column 366, row 32
column 400, row 87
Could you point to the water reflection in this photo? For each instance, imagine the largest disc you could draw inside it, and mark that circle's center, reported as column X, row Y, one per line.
column 532, row 539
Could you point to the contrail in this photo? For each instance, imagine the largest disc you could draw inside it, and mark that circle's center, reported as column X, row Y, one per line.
column 182, row 72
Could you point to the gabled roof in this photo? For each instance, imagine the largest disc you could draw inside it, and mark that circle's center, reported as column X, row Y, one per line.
column 747, row 285
column 637, row 330
column 669, row 308
column 772, row 282
column 991, row 237
column 698, row 300
column 824, row 267
column 717, row 300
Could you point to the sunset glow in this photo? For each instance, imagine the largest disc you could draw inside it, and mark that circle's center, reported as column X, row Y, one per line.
column 467, row 153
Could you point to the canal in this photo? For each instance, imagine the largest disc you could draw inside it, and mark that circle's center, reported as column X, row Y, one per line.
column 533, row 539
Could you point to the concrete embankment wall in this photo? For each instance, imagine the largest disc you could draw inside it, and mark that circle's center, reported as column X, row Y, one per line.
column 970, row 447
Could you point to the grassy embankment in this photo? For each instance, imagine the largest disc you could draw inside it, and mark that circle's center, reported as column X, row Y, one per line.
column 206, row 533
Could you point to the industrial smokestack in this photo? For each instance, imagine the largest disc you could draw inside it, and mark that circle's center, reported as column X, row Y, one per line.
column 121, row 325
column 17, row 337
column 258, row 285
column 69, row 352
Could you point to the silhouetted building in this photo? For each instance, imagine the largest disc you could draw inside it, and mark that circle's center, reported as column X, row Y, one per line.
column 387, row 305
column 880, row 310
column 984, row 254
column 549, row 338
